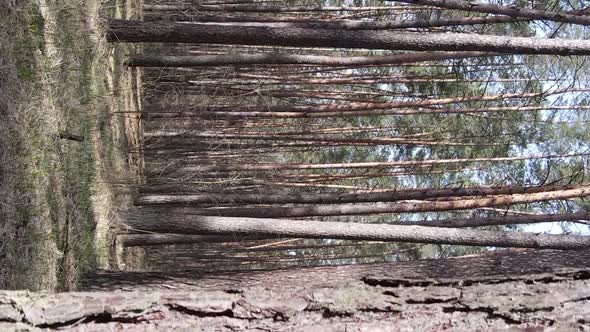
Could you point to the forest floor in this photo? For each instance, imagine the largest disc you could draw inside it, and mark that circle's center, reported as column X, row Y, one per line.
column 66, row 143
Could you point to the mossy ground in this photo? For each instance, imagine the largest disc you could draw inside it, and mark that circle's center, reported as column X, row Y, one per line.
column 59, row 198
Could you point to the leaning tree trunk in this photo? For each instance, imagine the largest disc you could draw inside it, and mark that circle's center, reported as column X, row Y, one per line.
column 171, row 32
column 181, row 221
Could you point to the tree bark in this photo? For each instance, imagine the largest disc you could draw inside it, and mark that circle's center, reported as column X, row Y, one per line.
column 548, row 289
column 498, row 221
column 372, row 106
column 282, row 59
column 388, row 207
column 183, row 221
column 337, row 114
column 131, row 240
column 368, row 79
column 513, row 11
column 336, row 198
column 382, row 164
column 312, row 140
column 311, row 23
column 170, row 32
column 271, row 9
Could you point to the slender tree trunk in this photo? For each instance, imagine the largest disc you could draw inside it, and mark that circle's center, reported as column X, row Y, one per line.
column 496, row 221
column 336, row 198
column 272, row 9
column 337, row 114
column 373, row 106
column 132, row 240
column 360, row 80
column 321, row 139
column 389, row 207
column 532, row 14
column 311, row 23
column 282, row 59
column 384, row 164
column 170, row 32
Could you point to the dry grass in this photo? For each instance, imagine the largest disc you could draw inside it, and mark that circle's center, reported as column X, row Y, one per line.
column 59, row 198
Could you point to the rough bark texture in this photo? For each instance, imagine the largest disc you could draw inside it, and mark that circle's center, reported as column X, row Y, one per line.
column 130, row 240
column 358, row 106
column 533, row 14
column 170, row 32
column 335, row 198
column 519, row 290
column 180, row 220
column 502, row 220
column 388, row 207
column 249, row 8
column 311, row 23
column 286, row 22
column 281, row 59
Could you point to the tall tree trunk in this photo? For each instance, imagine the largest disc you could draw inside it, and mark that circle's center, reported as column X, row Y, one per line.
column 373, row 106
column 383, row 164
column 311, row 23
column 496, row 221
column 131, row 240
column 359, row 80
column 170, row 32
column 389, row 207
column 532, row 14
column 282, row 59
column 337, row 114
column 272, row 9
column 336, row 198
column 184, row 222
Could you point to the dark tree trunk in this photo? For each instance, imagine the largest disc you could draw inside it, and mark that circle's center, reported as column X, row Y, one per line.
column 282, row 59
column 131, row 240
column 309, row 110
column 137, row 31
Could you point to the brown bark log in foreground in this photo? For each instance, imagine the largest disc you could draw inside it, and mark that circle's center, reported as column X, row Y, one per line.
column 171, row 32
column 180, row 221
column 547, row 289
